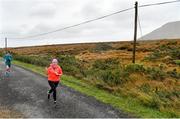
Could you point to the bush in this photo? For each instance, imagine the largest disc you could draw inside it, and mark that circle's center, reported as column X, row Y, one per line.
column 177, row 62
column 109, row 70
column 114, row 77
column 167, row 97
column 40, row 61
column 149, row 101
column 155, row 73
column 164, row 47
column 145, row 88
column 174, row 74
column 106, row 64
column 172, row 43
column 70, row 65
column 102, row 47
column 176, row 93
column 153, row 56
column 175, row 53
column 1, row 54
column 155, row 102
column 131, row 68
column 164, row 95
column 125, row 47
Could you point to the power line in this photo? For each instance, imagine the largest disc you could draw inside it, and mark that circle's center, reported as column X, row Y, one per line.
column 140, row 28
column 92, row 20
column 160, row 3
column 85, row 22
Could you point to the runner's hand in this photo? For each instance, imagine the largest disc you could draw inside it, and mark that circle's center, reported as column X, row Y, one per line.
column 57, row 73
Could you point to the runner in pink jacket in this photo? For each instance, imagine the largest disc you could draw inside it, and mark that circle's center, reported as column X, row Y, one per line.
column 54, row 72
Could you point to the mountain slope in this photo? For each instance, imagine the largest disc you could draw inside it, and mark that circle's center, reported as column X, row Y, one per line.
column 170, row 30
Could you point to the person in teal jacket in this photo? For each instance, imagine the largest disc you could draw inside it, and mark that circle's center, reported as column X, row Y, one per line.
column 8, row 59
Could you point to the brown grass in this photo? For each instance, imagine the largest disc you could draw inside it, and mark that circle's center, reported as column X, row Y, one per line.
column 9, row 113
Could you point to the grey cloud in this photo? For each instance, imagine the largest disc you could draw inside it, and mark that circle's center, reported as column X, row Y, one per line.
column 45, row 10
column 10, row 32
column 91, row 10
column 39, row 28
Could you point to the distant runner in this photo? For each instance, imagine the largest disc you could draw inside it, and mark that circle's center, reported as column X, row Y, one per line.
column 54, row 74
column 8, row 59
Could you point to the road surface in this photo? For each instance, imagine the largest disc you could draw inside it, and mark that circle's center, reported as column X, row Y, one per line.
column 25, row 92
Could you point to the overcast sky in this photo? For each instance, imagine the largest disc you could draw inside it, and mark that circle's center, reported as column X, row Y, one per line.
column 21, row 18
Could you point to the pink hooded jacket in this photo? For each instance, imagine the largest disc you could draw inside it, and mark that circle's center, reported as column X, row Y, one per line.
column 54, row 73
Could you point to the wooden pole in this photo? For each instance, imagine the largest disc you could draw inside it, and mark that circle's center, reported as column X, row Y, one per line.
column 135, row 32
column 5, row 45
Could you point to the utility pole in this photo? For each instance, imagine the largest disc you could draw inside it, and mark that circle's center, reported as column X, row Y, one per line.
column 135, row 32
column 5, row 44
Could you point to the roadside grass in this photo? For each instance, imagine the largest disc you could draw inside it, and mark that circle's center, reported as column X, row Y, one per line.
column 127, row 104
column 8, row 113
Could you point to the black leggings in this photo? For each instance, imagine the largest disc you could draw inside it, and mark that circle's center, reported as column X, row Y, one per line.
column 53, row 86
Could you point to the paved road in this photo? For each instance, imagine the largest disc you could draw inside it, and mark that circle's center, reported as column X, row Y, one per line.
column 25, row 92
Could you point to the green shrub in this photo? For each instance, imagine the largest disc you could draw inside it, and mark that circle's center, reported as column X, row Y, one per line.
column 125, row 47
column 106, row 64
column 153, row 56
column 177, row 62
column 70, row 65
column 167, row 97
column 176, row 93
column 36, row 60
column 164, row 47
column 114, row 77
column 109, row 70
column 1, row 54
column 172, row 43
column 163, row 94
column 174, row 74
column 131, row 68
column 155, row 102
column 151, row 101
column 175, row 53
column 155, row 73
column 173, row 114
column 102, row 47
column 145, row 88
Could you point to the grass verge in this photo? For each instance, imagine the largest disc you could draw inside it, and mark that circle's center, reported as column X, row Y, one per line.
column 9, row 113
column 127, row 104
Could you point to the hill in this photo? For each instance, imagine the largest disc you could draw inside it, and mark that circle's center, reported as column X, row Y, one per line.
column 170, row 30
